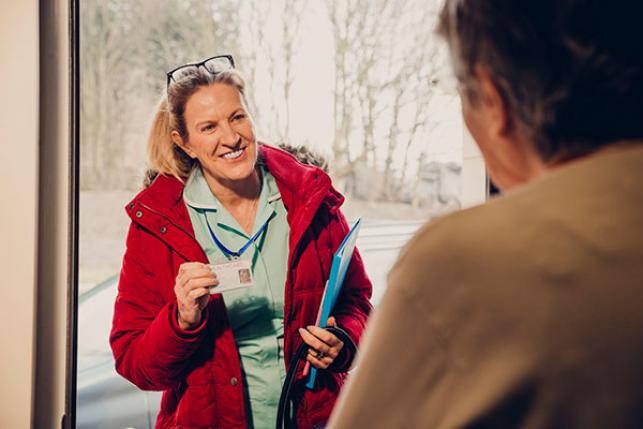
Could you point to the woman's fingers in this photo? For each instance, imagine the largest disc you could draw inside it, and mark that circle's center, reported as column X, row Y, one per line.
column 202, row 282
column 319, row 363
column 325, row 336
column 195, row 273
column 195, row 294
column 317, row 344
column 202, row 301
column 324, row 346
column 187, row 266
column 192, row 292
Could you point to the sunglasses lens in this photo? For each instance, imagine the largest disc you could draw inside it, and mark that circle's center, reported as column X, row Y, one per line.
column 183, row 72
column 217, row 65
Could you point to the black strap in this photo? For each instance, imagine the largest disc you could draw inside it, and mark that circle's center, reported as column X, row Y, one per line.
column 287, row 405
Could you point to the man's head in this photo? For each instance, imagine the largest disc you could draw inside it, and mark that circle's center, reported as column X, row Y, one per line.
column 546, row 81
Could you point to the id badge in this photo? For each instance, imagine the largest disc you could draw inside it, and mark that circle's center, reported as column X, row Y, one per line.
column 232, row 275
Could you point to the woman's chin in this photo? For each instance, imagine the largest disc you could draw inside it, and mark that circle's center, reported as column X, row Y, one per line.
column 232, row 172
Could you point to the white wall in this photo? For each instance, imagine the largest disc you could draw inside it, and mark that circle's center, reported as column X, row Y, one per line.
column 19, row 147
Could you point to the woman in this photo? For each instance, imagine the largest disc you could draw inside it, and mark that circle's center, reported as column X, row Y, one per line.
column 219, row 197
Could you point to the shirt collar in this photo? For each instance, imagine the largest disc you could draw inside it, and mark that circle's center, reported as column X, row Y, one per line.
column 197, row 193
column 269, row 184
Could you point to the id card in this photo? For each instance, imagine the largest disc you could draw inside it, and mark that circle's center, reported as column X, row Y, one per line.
column 232, row 275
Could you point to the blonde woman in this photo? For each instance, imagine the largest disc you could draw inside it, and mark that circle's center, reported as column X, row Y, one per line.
column 220, row 199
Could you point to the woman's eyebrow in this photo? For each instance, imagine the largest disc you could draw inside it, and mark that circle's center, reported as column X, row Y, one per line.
column 208, row 121
column 237, row 110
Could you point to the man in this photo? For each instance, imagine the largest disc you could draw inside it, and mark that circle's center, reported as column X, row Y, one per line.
column 526, row 311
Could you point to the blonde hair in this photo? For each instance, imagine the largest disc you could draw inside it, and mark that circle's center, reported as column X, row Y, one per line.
column 164, row 156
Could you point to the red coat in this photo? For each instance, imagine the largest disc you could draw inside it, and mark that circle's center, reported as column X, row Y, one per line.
column 199, row 370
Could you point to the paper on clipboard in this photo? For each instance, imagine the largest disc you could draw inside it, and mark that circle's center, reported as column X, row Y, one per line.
column 339, row 267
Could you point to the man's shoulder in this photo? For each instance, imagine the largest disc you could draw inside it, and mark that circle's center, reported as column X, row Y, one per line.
column 472, row 229
column 552, row 228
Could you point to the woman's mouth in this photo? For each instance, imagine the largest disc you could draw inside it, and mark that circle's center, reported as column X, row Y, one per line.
column 233, row 155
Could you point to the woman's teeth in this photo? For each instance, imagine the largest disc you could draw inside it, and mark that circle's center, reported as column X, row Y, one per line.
column 233, row 155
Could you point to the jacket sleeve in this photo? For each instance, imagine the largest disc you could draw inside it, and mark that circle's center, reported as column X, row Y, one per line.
column 150, row 349
column 353, row 304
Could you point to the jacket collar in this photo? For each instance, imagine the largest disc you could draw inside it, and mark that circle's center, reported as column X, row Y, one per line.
column 160, row 210
column 303, row 189
column 300, row 184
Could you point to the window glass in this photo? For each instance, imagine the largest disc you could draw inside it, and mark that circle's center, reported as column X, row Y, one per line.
column 362, row 84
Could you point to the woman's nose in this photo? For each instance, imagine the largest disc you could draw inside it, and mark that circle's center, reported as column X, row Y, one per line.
column 229, row 136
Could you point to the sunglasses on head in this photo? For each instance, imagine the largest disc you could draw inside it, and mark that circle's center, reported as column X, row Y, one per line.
column 214, row 65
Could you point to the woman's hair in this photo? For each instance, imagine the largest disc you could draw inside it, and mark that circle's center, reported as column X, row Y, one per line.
column 570, row 72
column 164, row 156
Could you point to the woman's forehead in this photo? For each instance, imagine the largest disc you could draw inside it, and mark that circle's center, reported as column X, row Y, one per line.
column 214, row 99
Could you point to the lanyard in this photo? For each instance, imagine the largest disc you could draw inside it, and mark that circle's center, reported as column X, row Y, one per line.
column 229, row 253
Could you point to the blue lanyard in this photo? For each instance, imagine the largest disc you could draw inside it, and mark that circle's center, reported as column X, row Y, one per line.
column 229, row 253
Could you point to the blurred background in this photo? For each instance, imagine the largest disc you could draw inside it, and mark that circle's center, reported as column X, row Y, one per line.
column 363, row 83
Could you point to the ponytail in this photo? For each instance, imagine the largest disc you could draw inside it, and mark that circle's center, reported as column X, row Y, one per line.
column 164, row 156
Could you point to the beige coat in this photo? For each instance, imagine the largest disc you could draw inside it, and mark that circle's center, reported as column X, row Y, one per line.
column 525, row 312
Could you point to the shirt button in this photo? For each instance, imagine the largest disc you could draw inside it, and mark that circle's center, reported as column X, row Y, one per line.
column 139, row 214
column 234, row 381
column 163, row 230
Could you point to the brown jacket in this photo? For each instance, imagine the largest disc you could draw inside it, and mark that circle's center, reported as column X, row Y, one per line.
column 524, row 312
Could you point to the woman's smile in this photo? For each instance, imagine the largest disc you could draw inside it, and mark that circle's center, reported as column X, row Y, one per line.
column 236, row 155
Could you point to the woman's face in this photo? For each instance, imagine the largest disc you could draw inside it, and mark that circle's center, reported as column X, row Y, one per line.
column 220, row 133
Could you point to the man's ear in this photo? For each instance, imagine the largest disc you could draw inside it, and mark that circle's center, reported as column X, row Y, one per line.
column 178, row 140
column 500, row 122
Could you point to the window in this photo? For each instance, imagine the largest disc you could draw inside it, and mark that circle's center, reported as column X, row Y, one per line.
column 364, row 84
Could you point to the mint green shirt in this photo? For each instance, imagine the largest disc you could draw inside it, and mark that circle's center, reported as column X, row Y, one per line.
column 256, row 314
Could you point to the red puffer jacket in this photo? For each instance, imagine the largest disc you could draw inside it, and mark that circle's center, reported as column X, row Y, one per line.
column 199, row 370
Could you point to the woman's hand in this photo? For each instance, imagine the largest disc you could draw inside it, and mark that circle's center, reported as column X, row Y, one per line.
column 192, row 292
column 324, row 346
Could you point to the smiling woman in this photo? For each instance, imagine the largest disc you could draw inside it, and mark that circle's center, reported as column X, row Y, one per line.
column 220, row 135
column 223, row 207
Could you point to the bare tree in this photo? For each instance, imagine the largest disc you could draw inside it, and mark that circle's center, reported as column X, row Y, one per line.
column 340, row 15
column 105, row 88
column 127, row 47
column 292, row 16
column 385, row 65
column 414, row 88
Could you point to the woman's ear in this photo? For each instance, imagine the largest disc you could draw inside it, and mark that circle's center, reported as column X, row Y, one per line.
column 500, row 123
column 178, row 140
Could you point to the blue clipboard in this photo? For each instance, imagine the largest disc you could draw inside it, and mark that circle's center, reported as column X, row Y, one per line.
column 338, row 269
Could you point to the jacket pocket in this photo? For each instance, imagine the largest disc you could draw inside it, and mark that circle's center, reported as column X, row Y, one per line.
column 197, row 408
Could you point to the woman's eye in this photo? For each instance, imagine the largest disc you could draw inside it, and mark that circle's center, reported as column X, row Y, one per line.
column 238, row 117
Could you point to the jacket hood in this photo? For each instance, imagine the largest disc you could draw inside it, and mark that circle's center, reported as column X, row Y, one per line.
column 302, row 186
column 299, row 183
